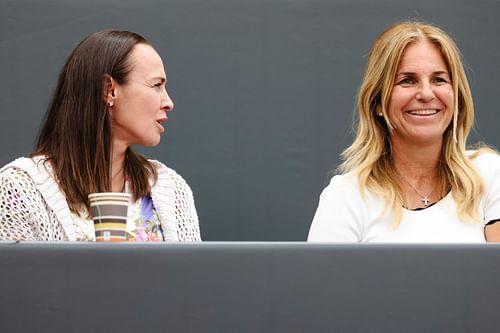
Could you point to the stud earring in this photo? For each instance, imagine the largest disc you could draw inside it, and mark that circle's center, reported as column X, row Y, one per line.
column 109, row 104
column 379, row 114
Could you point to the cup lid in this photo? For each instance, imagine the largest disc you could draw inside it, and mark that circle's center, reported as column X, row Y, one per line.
column 120, row 195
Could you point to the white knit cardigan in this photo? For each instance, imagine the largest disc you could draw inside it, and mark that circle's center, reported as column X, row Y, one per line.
column 32, row 206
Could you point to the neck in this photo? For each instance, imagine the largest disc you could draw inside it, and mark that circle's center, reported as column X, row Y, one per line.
column 418, row 169
column 118, row 170
column 416, row 161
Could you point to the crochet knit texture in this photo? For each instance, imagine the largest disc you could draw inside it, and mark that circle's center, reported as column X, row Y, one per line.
column 26, row 215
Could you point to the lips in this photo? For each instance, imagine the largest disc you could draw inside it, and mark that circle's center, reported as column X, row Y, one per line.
column 160, row 121
column 423, row 112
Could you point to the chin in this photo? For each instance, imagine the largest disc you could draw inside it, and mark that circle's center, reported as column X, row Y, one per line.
column 150, row 143
column 153, row 144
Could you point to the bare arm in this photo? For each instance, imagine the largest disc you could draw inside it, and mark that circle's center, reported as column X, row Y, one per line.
column 492, row 232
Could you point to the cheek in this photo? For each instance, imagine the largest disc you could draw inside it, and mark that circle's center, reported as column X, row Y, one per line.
column 397, row 104
column 399, row 98
column 449, row 99
column 149, row 102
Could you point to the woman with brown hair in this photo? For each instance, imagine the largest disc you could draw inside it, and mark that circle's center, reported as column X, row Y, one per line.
column 111, row 94
column 408, row 177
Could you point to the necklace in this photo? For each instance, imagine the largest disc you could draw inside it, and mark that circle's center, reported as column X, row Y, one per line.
column 424, row 198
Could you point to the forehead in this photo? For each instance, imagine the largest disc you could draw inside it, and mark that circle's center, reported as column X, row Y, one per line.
column 422, row 55
column 146, row 62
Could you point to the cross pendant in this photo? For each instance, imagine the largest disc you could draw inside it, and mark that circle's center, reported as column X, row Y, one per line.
column 425, row 200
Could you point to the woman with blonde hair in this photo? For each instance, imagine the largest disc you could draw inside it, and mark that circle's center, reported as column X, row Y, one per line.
column 408, row 177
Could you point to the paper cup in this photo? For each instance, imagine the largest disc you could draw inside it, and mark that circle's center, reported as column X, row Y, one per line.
column 109, row 211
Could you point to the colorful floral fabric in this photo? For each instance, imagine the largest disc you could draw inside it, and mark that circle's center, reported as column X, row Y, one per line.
column 143, row 224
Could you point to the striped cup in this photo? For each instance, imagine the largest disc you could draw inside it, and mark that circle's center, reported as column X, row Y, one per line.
column 109, row 212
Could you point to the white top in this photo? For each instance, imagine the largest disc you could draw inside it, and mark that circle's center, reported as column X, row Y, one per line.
column 32, row 206
column 343, row 215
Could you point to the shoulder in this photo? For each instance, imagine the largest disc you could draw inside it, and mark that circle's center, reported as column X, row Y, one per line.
column 169, row 175
column 17, row 179
column 483, row 155
column 20, row 170
column 19, row 163
column 346, row 184
column 162, row 168
column 344, row 192
column 37, row 169
column 31, row 166
column 486, row 160
column 15, row 176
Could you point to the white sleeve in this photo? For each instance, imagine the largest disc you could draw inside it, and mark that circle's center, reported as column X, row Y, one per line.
column 339, row 215
column 489, row 166
column 24, row 214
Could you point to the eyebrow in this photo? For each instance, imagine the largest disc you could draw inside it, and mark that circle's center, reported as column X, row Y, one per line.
column 413, row 73
column 161, row 78
column 441, row 72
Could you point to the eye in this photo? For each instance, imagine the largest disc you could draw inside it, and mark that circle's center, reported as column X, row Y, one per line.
column 407, row 81
column 441, row 80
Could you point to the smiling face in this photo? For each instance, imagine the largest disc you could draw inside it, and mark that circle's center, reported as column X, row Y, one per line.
column 421, row 104
column 140, row 105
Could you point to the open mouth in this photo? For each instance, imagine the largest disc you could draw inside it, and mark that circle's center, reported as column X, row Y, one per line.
column 161, row 121
column 423, row 112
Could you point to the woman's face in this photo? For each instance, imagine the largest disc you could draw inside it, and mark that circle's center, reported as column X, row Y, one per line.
column 421, row 104
column 142, row 102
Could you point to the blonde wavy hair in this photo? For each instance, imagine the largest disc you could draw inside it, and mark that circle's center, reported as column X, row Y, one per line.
column 370, row 155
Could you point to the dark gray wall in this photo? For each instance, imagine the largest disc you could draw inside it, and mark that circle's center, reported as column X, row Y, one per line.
column 264, row 89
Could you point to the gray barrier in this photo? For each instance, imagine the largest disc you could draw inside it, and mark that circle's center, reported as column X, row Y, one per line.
column 248, row 287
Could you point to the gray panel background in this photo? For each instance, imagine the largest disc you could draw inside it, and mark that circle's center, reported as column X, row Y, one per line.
column 264, row 90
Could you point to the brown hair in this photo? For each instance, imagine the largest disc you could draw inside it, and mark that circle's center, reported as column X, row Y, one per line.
column 75, row 136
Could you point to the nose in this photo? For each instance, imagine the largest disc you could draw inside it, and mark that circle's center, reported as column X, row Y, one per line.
column 166, row 102
column 425, row 92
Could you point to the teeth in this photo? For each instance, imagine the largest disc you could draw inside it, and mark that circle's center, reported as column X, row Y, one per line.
column 423, row 112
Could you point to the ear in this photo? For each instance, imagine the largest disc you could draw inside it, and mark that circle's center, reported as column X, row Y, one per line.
column 109, row 90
